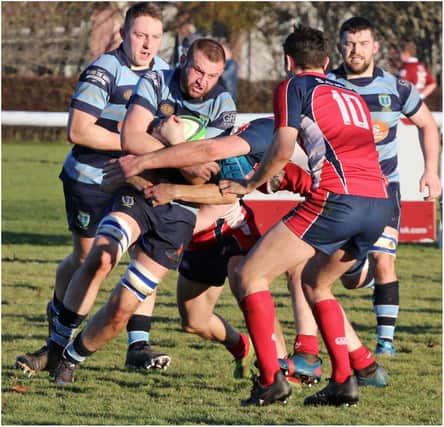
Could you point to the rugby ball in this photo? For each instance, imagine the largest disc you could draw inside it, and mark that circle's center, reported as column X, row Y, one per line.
column 194, row 129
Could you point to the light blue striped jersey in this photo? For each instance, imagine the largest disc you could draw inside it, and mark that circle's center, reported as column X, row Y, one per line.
column 103, row 90
column 160, row 93
column 387, row 98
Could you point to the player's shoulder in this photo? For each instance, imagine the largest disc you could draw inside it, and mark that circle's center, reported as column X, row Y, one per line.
column 111, row 61
column 160, row 64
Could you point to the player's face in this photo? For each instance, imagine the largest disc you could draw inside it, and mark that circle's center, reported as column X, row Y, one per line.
column 200, row 75
column 358, row 51
column 142, row 42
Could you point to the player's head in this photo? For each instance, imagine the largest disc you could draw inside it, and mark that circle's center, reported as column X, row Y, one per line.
column 407, row 49
column 358, row 46
column 201, row 67
column 305, row 49
column 141, row 33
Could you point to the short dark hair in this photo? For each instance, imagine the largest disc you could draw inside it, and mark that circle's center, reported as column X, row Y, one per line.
column 409, row 46
column 142, row 9
column 307, row 47
column 212, row 49
column 356, row 24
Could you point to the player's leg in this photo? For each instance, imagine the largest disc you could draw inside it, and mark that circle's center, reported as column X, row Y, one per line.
column 85, row 206
column 140, row 353
column 139, row 281
column 318, row 277
column 278, row 250
column 386, row 291
column 304, row 364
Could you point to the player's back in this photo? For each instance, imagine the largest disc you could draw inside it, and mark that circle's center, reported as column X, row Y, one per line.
column 334, row 130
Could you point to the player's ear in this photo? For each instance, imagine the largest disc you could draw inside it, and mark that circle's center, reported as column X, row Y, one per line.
column 183, row 60
column 289, row 63
column 326, row 62
column 376, row 46
column 122, row 32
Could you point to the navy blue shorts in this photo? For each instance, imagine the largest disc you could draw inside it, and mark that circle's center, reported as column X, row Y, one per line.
column 329, row 222
column 85, row 205
column 206, row 260
column 166, row 230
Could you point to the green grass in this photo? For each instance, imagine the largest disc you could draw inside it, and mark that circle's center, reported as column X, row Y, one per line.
column 198, row 388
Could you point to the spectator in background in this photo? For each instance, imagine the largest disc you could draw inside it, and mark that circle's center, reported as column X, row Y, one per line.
column 106, row 21
column 415, row 71
column 229, row 77
column 185, row 36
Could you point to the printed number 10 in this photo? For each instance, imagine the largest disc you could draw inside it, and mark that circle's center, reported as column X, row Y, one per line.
column 347, row 105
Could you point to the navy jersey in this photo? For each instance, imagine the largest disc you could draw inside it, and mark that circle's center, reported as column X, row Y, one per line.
column 334, row 129
column 387, row 97
column 103, row 90
column 159, row 92
column 259, row 135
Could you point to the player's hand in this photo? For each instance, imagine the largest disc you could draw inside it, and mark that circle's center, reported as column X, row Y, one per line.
column 239, row 187
column 431, row 183
column 117, row 170
column 200, row 173
column 160, row 194
column 172, row 130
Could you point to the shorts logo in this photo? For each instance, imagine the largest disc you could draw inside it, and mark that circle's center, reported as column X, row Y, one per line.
column 385, row 101
column 167, row 108
column 83, row 219
column 341, row 341
column 175, row 255
column 128, row 201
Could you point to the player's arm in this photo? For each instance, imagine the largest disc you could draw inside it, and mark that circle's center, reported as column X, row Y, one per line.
column 178, row 156
column 430, row 145
column 83, row 130
column 134, row 136
column 199, row 194
column 429, row 86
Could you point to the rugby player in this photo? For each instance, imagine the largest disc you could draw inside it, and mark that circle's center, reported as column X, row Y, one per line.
column 329, row 231
column 161, row 233
column 387, row 98
column 97, row 110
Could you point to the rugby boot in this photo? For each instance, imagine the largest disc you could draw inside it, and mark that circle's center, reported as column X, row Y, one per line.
column 336, row 394
column 304, row 367
column 64, row 372
column 44, row 359
column 244, row 366
column 279, row 391
column 374, row 375
column 140, row 355
column 51, row 316
column 385, row 348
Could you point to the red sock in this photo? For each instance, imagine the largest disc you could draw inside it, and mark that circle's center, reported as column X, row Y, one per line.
column 306, row 344
column 241, row 348
column 330, row 320
column 259, row 313
column 361, row 358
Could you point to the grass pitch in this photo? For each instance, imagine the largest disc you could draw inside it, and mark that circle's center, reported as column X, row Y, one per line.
column 198, row 388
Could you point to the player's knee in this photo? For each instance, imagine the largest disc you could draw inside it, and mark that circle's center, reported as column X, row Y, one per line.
column 117, row 232
column 384, row 265
column 139, row 280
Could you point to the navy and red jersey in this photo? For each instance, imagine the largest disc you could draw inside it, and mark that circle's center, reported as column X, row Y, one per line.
column 334, row 130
